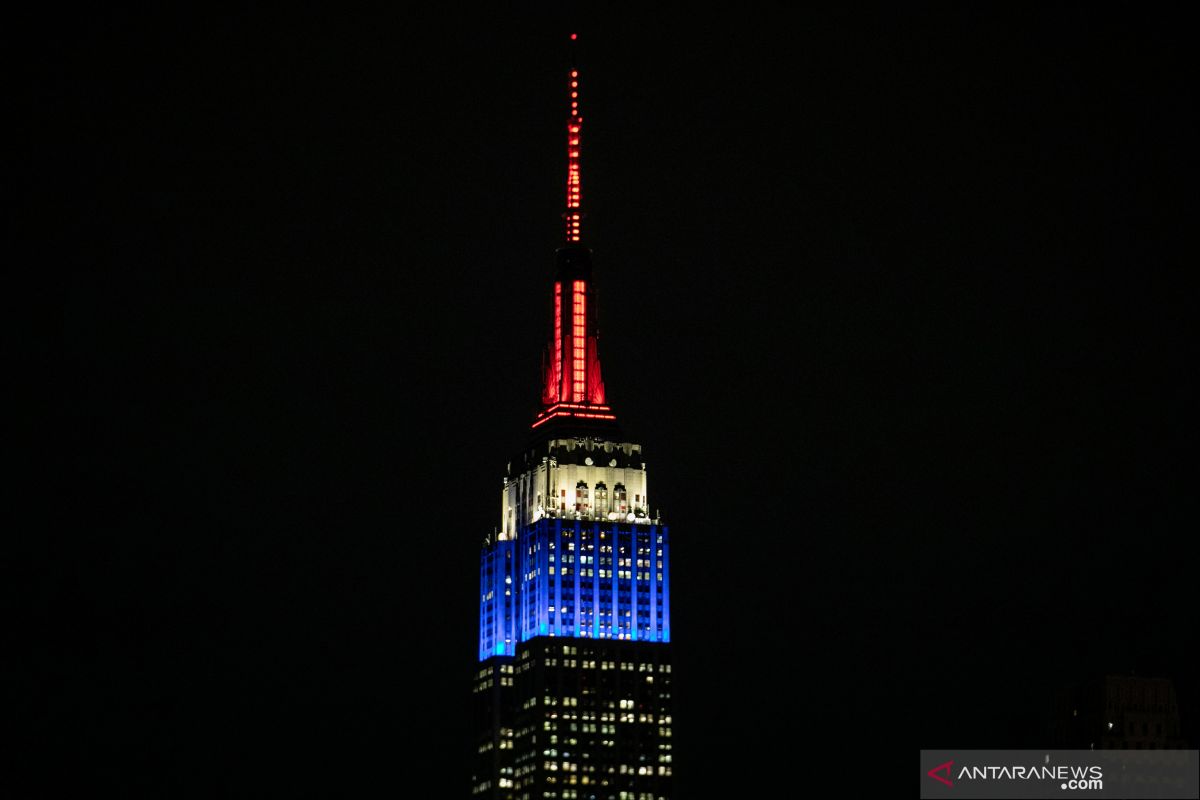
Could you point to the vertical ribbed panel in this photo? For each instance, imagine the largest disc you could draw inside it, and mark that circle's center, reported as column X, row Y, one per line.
column 524, row 612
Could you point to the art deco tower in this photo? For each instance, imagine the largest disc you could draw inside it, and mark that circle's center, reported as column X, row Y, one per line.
column 573, row 691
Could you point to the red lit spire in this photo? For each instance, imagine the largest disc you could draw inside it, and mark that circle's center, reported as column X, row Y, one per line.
column 572, row 384
column 573, row 215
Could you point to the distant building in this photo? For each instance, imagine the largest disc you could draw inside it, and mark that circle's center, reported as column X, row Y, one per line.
column 1118, row 712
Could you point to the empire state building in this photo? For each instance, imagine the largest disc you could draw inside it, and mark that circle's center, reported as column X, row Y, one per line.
column 573, row 688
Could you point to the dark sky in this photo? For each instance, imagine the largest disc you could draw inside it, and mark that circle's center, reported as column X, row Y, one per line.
column 895, row 304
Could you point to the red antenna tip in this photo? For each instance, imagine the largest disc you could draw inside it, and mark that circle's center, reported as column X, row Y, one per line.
column 574, row 36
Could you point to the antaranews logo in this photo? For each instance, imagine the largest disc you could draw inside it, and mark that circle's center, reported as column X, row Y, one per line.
column 933, row 773
column 1002, row 776
column 1058, row 774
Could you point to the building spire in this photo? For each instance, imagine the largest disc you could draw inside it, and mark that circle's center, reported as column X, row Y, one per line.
column 574, row 213
column 571, row 386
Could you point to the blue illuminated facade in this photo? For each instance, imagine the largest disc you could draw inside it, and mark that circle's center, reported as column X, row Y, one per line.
column 575, row 578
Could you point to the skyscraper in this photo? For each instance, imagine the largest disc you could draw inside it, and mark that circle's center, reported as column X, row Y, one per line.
column 573, row 690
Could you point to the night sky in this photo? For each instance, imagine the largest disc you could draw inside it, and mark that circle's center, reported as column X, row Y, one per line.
column 895, row 305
